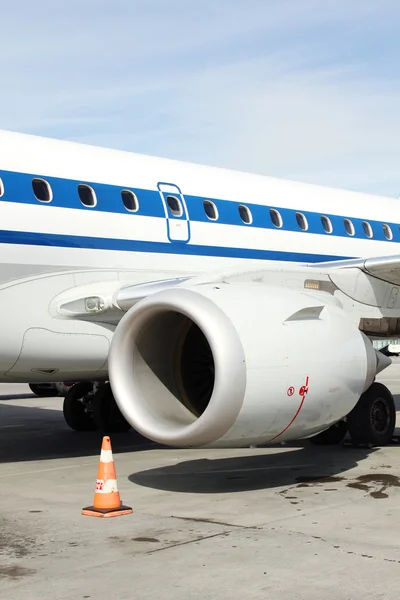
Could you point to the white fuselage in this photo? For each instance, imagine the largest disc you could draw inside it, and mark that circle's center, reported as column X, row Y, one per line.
column 63, row 234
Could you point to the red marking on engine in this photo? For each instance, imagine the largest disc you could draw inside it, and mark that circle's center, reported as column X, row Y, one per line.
column 303, row 393
column 304, row 389
column 290, row 391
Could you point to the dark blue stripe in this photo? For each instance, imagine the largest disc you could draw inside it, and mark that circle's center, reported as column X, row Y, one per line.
column 76, row 241
column 18, row 188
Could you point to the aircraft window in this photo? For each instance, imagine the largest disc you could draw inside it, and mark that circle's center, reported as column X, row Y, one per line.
column 87, row 195
column 42, row 190
column 130, row 200
column 245, row 214
column 276, row 217
column 327, row 224
column 175, row 206
column 301, row 221
column 1, row 187
column 367, row 229
column 211, row 210
column 349, row 227
column 386, row 230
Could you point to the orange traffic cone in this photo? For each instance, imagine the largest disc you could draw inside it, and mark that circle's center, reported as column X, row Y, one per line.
column 107, row 502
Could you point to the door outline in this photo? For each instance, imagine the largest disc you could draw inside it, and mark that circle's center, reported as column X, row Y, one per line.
column 178, row 228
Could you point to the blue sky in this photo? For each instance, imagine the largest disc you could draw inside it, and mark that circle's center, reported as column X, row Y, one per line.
column 301, row 89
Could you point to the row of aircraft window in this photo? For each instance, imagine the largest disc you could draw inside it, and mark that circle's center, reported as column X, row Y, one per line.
column 44, row 193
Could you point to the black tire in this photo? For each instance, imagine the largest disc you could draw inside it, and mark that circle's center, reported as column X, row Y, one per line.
column 373, row 419
column 38, row 390
column 74, row 410
column 334, row 435
column 106, row 413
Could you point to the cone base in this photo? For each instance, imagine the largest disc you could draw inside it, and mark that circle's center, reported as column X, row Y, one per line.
column 92, row 511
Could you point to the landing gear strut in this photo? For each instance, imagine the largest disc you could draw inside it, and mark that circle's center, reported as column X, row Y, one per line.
column 91, row 406
column 373, row 419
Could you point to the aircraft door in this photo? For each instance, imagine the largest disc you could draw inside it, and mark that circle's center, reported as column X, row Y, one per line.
column 176, row 213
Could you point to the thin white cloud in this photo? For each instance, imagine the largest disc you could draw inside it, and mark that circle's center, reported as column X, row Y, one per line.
column 306, row 89
column 325, row 126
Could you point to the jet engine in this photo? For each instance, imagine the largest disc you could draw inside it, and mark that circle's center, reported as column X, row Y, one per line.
column 237, row 364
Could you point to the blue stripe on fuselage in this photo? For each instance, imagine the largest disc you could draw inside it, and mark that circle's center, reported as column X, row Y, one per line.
column 76, row 241
column 18, row 188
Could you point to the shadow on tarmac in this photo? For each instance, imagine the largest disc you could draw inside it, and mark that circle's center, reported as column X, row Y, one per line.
column 237, row 474
column 33, row 433
column 301, row 463
column 16, row 397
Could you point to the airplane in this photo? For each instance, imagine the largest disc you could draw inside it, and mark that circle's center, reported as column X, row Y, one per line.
column 204, row 307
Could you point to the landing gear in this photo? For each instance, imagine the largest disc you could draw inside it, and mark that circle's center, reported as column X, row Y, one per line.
column 91, row 406
column 334, row 435
column 370, row 423
column 373, row 419
column 105, row 411
column 77, row 405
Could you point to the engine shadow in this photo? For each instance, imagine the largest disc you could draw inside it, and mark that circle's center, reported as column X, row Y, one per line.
column 296, row 464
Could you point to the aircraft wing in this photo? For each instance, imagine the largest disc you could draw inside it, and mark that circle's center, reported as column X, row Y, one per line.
column 386, row 268
column 109, row 303
column 121, row 298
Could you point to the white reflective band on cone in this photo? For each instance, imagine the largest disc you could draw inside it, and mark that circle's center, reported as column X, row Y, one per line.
column 106, row 487
column 106, row 456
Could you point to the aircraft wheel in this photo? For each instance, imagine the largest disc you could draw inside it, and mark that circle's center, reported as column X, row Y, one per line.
column 334, row 435
column 75, row 405
column 106, row 413
column 373, row 419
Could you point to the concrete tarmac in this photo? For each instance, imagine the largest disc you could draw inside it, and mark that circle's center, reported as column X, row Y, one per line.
column 295, row 522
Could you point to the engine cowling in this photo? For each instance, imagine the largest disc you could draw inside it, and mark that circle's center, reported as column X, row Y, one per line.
column 237, row 364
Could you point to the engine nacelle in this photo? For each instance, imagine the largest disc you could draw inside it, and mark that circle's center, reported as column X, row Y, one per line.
column 237, row 364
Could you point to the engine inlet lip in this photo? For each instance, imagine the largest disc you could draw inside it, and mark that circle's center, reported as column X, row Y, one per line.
column 230, row 369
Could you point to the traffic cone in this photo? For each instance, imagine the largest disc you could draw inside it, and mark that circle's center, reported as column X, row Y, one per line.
column 107, row 501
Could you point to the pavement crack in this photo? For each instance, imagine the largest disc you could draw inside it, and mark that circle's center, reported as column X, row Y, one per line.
column 342, row 550
column 199, row 539
column 213, row 522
